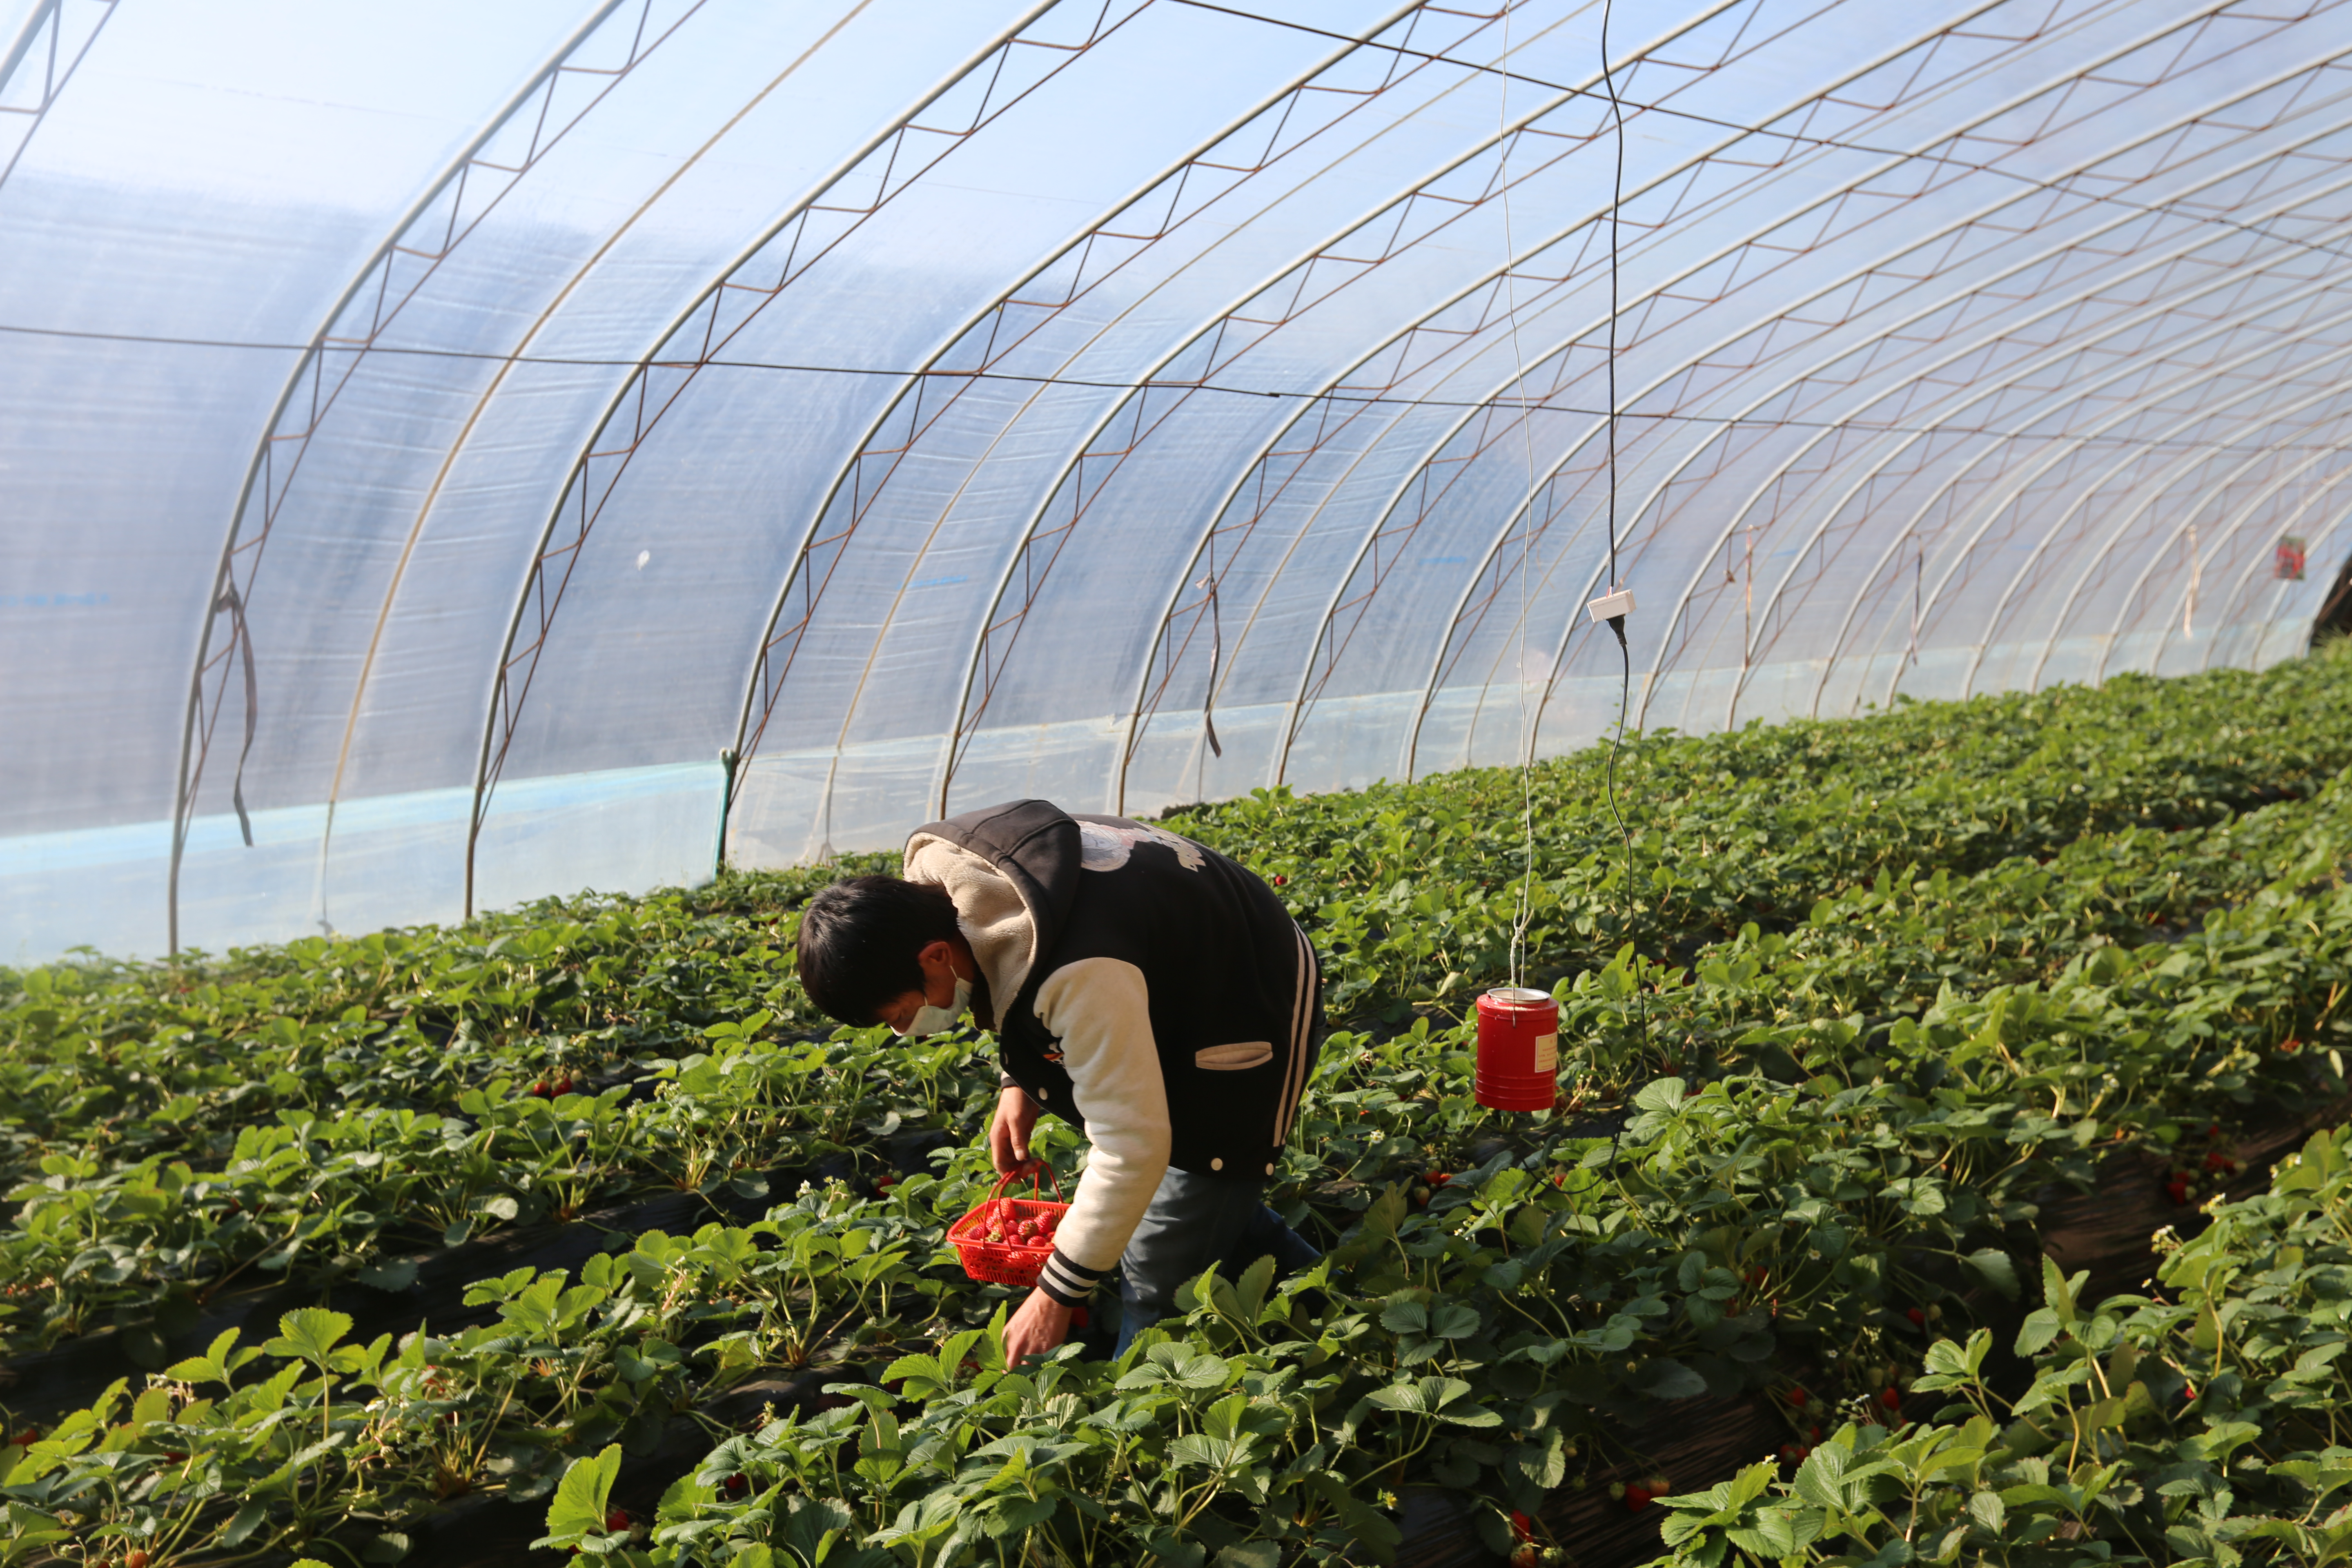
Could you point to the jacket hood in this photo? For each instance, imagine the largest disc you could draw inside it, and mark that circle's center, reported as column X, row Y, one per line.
column 1013, row 871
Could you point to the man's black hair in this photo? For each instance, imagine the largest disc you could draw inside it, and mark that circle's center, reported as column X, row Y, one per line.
column 858, row 942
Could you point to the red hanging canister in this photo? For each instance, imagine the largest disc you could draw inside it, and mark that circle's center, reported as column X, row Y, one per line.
column 1519, row 1049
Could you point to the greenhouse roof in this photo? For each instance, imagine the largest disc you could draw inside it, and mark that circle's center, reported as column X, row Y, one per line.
column 453, row 453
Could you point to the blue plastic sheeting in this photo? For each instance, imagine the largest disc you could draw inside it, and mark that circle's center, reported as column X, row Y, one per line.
column 431, row 435
column 628, row 829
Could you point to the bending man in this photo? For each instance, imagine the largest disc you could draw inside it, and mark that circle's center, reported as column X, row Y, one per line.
column 1142, row 988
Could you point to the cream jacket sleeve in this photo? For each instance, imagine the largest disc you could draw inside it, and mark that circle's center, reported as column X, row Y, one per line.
column 1099, row 1009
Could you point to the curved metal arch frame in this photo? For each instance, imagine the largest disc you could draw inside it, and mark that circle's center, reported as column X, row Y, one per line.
column 190, row 763
column 1075, row 463
column 2238, row 590
column 1136, row 716
column 890, row 616
column 488, row 394
column 1689, row 589
column 2114, row 630
column 1650, row 677
column 2285, row 297
column 1301, row 700
column 51, row 14
column 746, row 739
column 2158, row 489
column 2062, row 448
column 323, row 401
column 2163, row 486
column 2332, row 532
column 2146, row 313
column 1318, row 401
column 1294, row 266
column 1906, row 535
column 1735, row 422
column 2229, row 530
column 1217, row 515
column 895, row 183
column 746, row 736
column 2141, row 42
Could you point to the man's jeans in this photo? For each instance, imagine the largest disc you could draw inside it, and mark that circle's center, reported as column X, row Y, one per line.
column 1194, row 1221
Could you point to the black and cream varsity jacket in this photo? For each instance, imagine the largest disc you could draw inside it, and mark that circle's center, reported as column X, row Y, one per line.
column 1145, row 988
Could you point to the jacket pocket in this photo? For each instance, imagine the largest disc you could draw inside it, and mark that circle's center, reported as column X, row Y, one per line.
column 1235, row 1058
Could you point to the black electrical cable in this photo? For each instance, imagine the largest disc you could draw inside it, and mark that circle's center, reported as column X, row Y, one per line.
column 1616, row 622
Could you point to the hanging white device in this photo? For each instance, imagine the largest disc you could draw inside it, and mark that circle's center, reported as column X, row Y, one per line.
column 1611, row 605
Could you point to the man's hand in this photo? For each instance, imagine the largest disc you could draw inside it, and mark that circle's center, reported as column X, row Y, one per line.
column 1038, row 1327
column 1008, row 1132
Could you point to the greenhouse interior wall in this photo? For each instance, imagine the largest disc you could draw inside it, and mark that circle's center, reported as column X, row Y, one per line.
column 450, row 454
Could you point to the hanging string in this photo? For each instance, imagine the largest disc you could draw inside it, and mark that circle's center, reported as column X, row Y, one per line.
column 1522, row 913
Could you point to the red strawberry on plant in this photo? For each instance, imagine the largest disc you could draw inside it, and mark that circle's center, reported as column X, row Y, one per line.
column 1917, row 1315
column 1797, row 1396
column 617, row 1521
column 1889, row 1397
column 1522, row 1527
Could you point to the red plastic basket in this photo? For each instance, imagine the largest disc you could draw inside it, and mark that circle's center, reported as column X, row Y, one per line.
column 1011, row 1262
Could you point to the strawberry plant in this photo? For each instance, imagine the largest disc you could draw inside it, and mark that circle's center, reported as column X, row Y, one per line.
column 1870, row 994
column 2200, row 1424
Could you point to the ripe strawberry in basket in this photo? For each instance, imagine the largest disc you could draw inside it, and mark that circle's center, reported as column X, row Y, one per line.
column 1004, row 1241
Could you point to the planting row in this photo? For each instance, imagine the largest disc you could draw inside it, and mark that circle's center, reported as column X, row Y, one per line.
column 2202, row 1424
column 1404, row 889
column 139, row 1245
column 1526, row 1323
column 1860, row 1111
column 422, row 1087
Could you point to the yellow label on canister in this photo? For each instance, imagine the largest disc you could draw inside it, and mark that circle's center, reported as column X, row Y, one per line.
column 1547, row 1053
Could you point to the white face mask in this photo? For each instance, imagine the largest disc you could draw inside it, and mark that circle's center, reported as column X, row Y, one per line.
column 930, row 1020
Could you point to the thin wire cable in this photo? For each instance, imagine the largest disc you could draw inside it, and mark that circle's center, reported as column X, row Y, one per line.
column 1522, row 913
column 1796, row 137
column 1369, row 399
